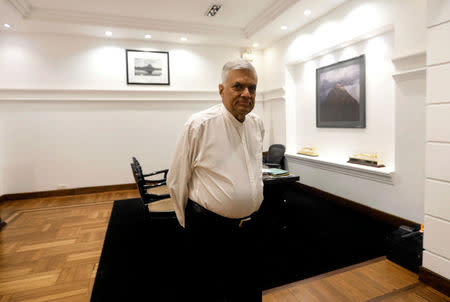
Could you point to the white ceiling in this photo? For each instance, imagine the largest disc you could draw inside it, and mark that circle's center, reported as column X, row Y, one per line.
column 238, row 23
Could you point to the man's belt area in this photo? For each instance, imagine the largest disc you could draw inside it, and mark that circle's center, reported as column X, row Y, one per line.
column 218, row 219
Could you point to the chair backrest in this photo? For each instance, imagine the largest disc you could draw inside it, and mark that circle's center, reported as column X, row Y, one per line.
column 143, row 184
column 275, row 154
column 139, row 179
column 157, row 212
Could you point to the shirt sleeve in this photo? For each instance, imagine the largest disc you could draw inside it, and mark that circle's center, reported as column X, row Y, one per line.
column 180, row 173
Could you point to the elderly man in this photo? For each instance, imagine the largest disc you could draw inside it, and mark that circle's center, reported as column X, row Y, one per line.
column 215, row 181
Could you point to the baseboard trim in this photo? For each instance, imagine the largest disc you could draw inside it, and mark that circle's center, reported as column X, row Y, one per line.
column 65, row 192
column 436, row 281
column 371, row 212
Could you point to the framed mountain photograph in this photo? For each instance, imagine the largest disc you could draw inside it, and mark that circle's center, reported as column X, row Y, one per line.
column 341, row 94
column 147, row 67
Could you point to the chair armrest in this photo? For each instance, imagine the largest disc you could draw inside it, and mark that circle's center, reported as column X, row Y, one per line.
column 264, row 156
column 155, row 181
column 159, row 196
column 157, row 172
column 154, row 185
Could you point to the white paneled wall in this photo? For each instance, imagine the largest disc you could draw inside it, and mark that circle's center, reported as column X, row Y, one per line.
column 437, row 161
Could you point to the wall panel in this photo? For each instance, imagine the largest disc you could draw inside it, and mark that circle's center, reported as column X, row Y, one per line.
column 438, row 11
column 438, row 44
column 436, row 239
column 438, row 123
column 437, row 84
column 437, row 264
column 436, row 199
column 438, row 161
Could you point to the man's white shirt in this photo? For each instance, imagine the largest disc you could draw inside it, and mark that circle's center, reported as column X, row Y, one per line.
column 218, row 163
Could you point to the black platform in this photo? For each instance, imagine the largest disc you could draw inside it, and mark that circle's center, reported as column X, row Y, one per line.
column 144, row 260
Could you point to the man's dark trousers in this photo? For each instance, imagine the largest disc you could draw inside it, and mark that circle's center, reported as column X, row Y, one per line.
column 222, row 257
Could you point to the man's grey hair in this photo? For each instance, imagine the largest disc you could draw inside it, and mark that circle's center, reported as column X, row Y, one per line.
column 239, row 64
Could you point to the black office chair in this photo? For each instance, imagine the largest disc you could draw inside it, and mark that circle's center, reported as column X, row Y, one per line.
column 160, row 206
column 275, row 156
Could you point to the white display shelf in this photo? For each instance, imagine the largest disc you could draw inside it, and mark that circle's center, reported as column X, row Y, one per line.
column 383, row 175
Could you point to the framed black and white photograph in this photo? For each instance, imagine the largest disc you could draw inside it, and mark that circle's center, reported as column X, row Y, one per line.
column 147, row 67
column 341, row 94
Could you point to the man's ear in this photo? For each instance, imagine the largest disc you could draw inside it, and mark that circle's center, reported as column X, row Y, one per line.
column 221, row 89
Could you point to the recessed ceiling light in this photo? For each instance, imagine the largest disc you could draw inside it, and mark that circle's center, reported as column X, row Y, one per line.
column 307, row 12
column 148, row 36
column 213, row 9
column 284, row 27
column 255, row 44
column 108, row 33
column 184, row 39
column 6, row 25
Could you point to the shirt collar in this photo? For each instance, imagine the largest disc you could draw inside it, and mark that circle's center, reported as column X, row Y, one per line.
column 230, row 117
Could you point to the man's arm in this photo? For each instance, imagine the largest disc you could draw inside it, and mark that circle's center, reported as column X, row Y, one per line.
column 180, row 173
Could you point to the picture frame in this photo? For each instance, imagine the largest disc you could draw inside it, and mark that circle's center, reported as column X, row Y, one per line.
column 147, row 67
column 341, row 94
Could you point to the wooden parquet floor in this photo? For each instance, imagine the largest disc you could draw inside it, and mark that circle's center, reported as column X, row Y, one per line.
column 50, row 249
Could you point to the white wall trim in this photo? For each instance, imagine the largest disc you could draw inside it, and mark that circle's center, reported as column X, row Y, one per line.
column 410, row 65
column 272, row 95
column 269, row 14
column 85, row 95
column 22, row 7
column 410, row 74
column 65, row 16
column 343, row 44
column 383, row 175
column 94, row 95
column 421, row 54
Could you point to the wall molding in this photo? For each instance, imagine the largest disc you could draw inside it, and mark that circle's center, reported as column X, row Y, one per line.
column 75, row 17
column 343, row 44
column 22, row 7
column 405, row 75
column 268, row 15
column 382, row 175
column 123, row 95
column 272, row 95
column 410, row 66
column 92, row 95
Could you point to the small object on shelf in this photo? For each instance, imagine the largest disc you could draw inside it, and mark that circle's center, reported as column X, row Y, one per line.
column 368, row 159
column 308, row 151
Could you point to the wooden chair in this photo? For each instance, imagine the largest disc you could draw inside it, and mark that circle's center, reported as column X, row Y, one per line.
column 160, row 206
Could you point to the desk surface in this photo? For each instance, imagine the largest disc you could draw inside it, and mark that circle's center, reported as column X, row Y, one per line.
column 270, row 180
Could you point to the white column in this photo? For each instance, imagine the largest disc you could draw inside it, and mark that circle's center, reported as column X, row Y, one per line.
column 436, row 256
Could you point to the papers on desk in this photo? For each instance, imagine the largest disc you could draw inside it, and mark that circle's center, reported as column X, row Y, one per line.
column 275, row 172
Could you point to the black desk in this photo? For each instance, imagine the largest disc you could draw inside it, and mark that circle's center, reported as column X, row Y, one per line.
column 143, row 258
column 273, row 210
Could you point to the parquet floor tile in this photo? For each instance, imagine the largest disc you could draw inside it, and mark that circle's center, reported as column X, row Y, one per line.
column 50, row 249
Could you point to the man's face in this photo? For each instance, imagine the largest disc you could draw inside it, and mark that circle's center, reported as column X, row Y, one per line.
column 238, row 93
